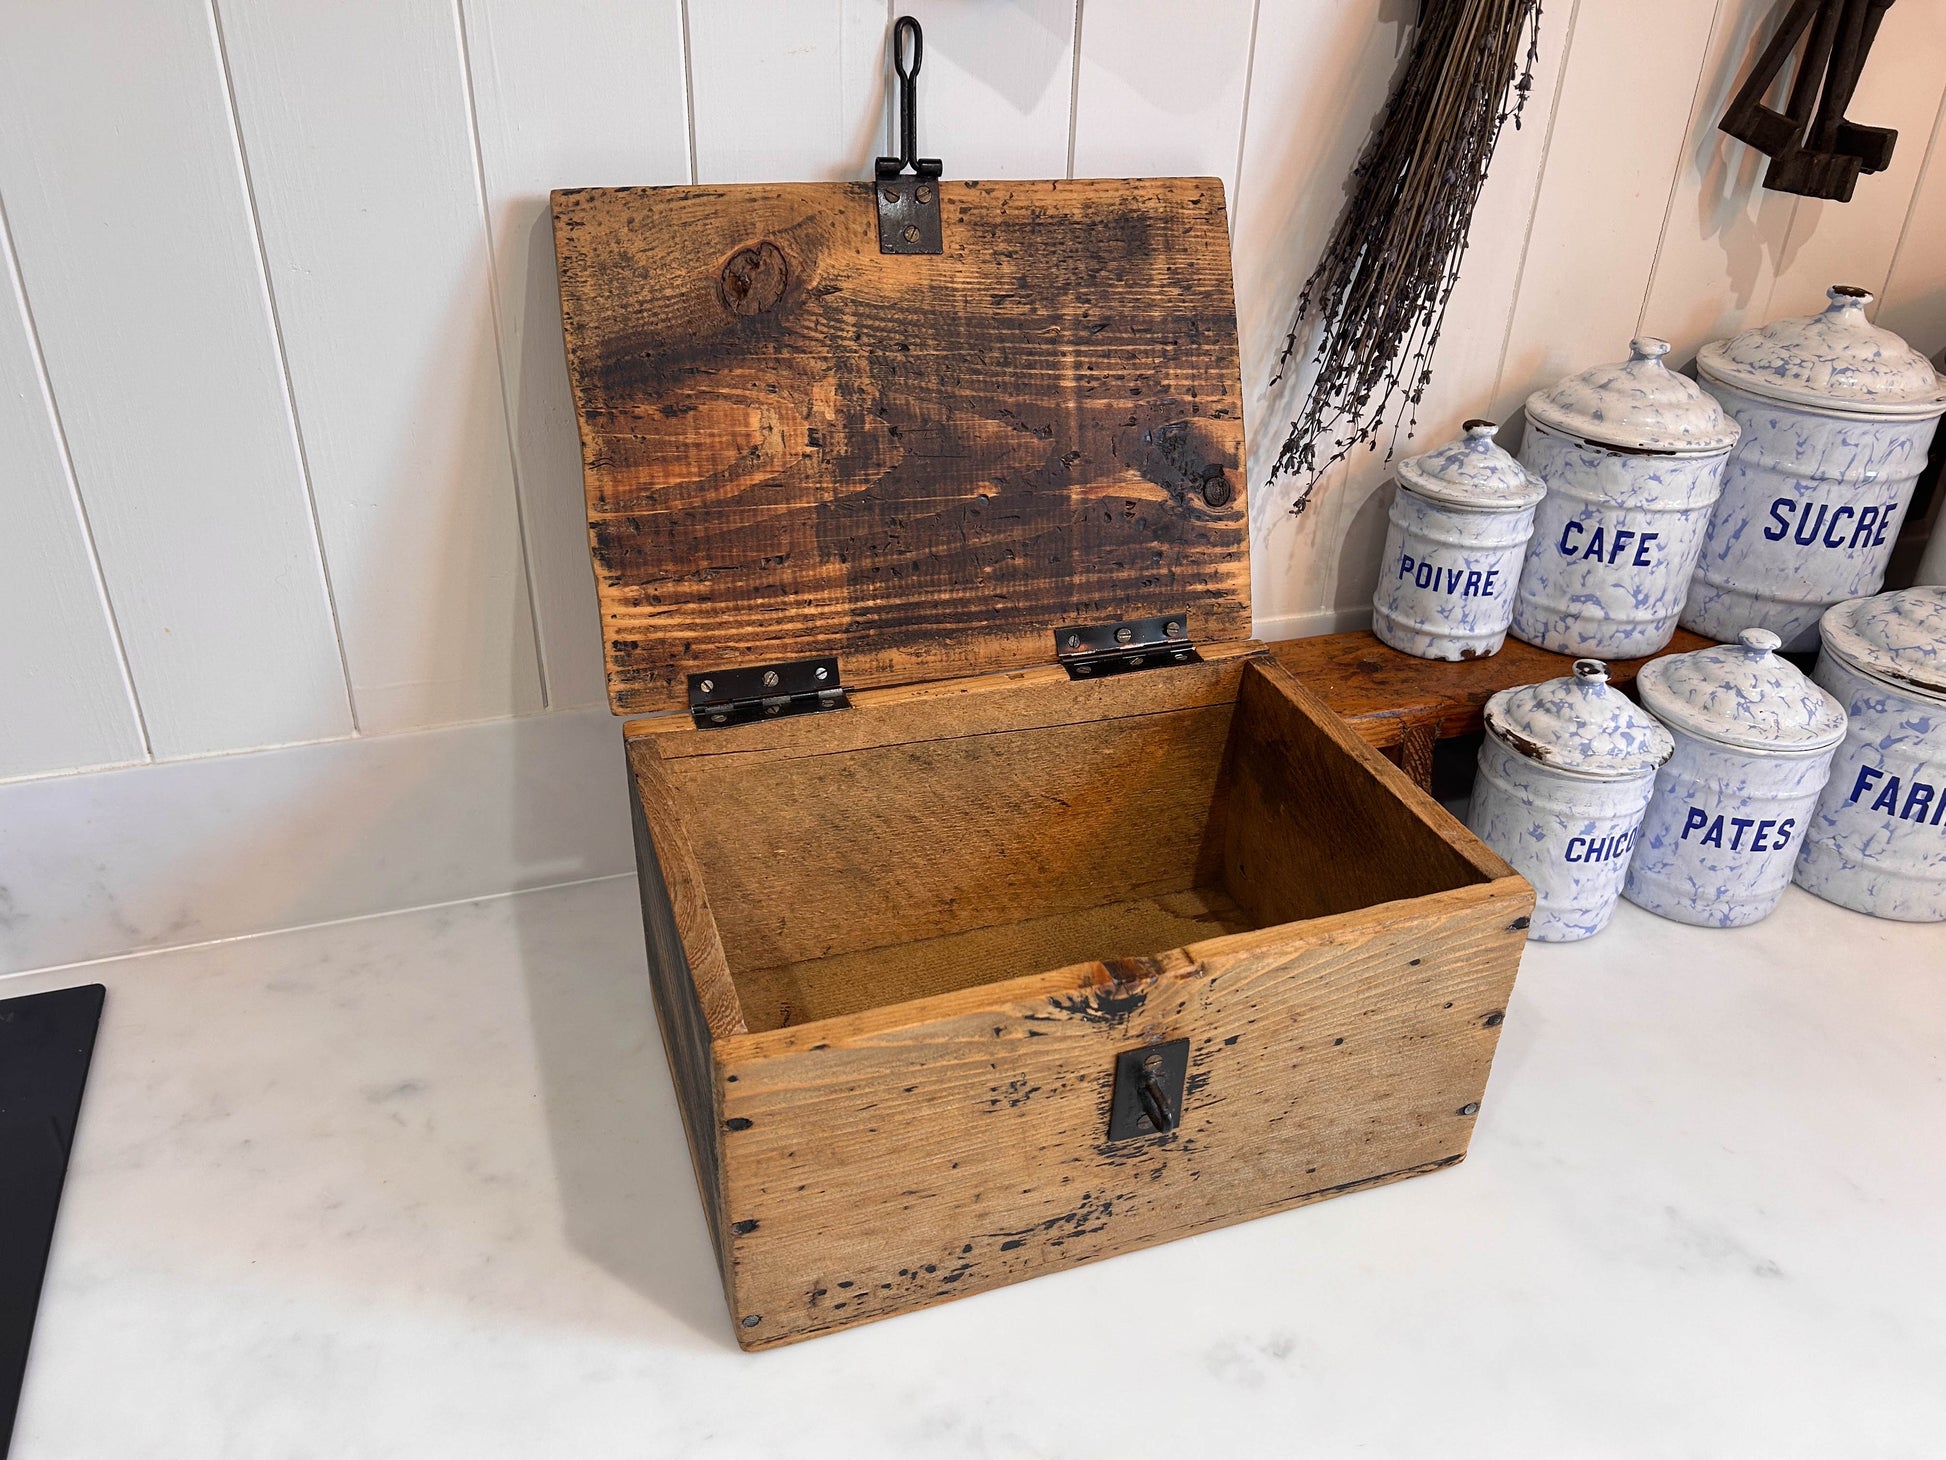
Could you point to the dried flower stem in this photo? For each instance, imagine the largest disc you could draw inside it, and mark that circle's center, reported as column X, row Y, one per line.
column 1378, row 296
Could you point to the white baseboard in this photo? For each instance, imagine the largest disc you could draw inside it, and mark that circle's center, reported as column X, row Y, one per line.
column 156, row 856
column 1319, row 621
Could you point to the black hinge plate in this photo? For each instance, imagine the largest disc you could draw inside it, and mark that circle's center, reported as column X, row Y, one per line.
column 1093, row 651
column 1161, row 1069
column 765, row 691
column 908, row 214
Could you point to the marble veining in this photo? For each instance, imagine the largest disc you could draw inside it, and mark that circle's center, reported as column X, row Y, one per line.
column 416, row 1186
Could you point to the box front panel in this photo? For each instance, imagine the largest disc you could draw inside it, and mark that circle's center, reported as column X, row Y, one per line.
column 869, row 1172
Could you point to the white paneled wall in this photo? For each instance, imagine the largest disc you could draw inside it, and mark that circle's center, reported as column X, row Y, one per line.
column 286, row 452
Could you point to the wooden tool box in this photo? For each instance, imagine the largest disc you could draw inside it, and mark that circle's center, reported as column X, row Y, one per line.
column 1006, row 907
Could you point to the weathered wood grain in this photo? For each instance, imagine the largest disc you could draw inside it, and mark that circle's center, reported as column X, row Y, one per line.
column 869, row 1171
column 848, row 983
column 794, row 444
column 910, row 1100
column 1382, row 693
column 1312, row 827
column 686, row 1032
column 816, row 855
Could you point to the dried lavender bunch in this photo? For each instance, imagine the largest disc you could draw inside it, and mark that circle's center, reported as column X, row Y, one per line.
column 1378, row 296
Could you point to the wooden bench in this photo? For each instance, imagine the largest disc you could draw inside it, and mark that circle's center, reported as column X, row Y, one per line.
column 1404, row 705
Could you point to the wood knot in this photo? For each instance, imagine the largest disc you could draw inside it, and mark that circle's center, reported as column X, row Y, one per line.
column 754, row 279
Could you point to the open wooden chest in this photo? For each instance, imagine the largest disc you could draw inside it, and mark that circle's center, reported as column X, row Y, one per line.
column 1006, row 907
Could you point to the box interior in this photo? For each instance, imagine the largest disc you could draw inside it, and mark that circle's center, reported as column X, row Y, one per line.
column 848, row 878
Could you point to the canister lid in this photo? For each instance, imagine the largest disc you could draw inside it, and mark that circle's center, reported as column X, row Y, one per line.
column 1639, row 405
column 1744, row 695
column 1837, row 359
column 1898, row 637
column 1470, row 471
column 1580, row 724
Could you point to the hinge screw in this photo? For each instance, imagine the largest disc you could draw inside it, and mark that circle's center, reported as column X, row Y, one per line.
column 770, row 679
column 823, row 673
column 707, row 686
column 911, row 233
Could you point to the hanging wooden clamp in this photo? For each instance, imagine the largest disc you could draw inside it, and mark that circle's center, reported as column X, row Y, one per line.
column 1815, row 153
column 908, row 206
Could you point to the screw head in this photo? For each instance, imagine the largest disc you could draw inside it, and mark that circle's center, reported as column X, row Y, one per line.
column 1125, row 636
column 718, row 719
column 751, row 1320
column 1084, row 669
column 1495, row 1019
column 924, row 195
column 1074, row 641
column 1472, row 1107
column 910, row 234
column 1172, row 629
column 707, row 686
column 891, row 195
column 823, row 673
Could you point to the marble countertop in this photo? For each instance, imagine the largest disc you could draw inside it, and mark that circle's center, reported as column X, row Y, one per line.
column 415, row 1186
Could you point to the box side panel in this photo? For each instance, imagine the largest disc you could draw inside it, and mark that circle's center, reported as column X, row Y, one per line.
column 1315, row 822
column 685, row 1029
column 871, row 1171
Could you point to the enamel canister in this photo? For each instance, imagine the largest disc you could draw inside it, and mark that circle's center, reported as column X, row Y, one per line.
column 1632, row 456
column 1877, row 840
column 1836, row 416
column 1457, row 529
column 1565, row 772
column 1754, row 741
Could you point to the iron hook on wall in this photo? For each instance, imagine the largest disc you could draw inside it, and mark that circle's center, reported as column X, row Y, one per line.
column 908, row 206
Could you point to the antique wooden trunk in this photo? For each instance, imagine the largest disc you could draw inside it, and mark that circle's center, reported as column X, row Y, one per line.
column 1006, row 907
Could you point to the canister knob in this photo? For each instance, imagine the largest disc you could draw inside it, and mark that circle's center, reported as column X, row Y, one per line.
column 1647, row 347
column 1760, row 642
column 1592, row 670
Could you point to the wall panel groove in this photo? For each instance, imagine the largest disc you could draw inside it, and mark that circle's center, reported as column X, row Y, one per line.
column 59, row 706
column 126, row 197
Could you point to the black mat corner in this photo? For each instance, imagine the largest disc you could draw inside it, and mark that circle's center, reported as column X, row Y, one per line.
column 46, row 1041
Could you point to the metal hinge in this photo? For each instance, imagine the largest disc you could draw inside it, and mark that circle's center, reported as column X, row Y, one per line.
column 732, row 696
column 1091, row 651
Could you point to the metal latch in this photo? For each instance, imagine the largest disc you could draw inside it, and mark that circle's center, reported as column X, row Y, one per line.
column 1091, row 651
column 732, row 696
column 1148, row 1090
column 908, row 207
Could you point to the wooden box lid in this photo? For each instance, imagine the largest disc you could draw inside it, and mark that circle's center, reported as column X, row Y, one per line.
column 795, row 444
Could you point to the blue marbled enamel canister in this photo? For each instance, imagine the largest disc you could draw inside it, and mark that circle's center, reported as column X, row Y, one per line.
column 1836, row 415
column 1754, row 741
column 1632, row 456
column 1877, row 840
column 1455, row 533
column 1564, row 774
